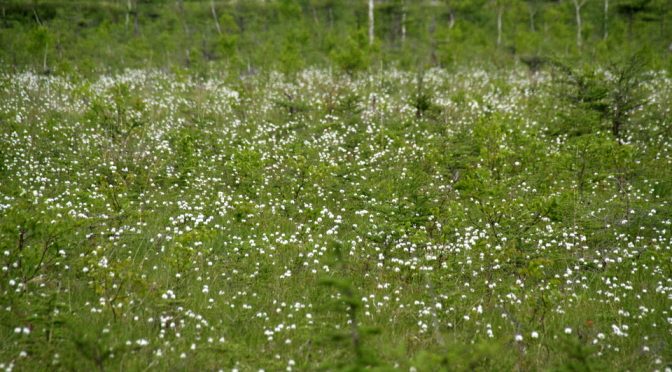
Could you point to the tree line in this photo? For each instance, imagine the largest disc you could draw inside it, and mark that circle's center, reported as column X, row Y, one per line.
column 350, row 34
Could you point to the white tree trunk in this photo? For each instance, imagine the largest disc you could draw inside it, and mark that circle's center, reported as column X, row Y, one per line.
column 128, row 12
column 577, row 7
column 606, row 19
column 371, row 26
column 500, row 12
column 44, row 60
column 214, row 15
column 403, row 24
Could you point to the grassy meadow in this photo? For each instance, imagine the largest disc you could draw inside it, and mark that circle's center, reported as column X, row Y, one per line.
column 246, row 186
column 436, row 221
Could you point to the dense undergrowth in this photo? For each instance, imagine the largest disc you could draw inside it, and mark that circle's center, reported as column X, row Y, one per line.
column 460, row 221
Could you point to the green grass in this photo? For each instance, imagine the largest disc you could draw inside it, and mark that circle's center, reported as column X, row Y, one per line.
column 319, row 221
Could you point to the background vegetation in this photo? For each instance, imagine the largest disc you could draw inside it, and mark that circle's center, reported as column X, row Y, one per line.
column 288, row 35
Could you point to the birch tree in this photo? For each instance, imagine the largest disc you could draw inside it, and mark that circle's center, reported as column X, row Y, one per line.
column 371, row 21
column 606, row 19
column 500, row 13
column 533, row 8
column 500, row 7
column 578, row 4
column 214, row 15
column 129, row 8
column 403, row 22
column 457, row 6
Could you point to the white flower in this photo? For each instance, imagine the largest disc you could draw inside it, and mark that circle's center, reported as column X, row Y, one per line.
column 568, row 331
column 518, row 338
column 617, row 330
column 142, row 342
column 169, row 295
column 535, row 334
column 103, row 262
